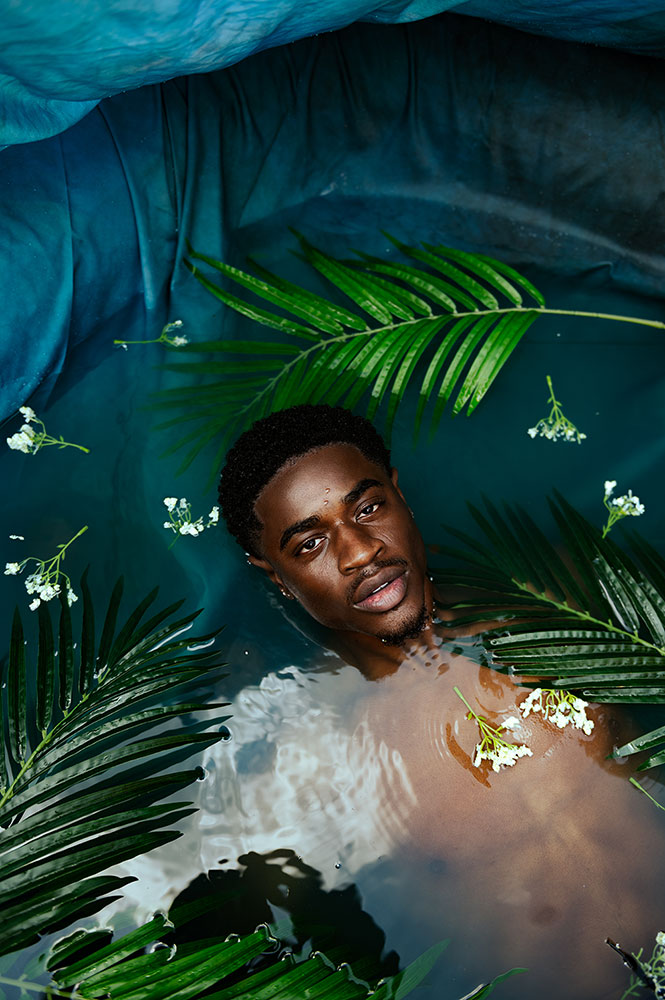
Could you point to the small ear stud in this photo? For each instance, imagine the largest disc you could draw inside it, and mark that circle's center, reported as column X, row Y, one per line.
column 286, row 594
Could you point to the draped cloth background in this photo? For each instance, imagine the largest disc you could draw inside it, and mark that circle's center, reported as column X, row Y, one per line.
column 543, row 151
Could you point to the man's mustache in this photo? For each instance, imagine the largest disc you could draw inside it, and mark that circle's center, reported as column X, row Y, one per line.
column 368, row 572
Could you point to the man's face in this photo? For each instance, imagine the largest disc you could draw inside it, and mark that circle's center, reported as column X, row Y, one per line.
column 338, row 535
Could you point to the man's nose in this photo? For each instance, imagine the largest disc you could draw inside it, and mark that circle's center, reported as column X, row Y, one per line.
column 358, row 547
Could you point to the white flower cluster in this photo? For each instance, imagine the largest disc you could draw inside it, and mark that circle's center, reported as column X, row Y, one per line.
column 555, row 429
column 628, row 504
column 25, row 439
column 560, row 707
column 180, row 515
column 48, row 579
column 500, row 753
column 619, row 507
column 47, row 588
column 30, row 439
column 556, row 426
column 165, row 337
column 492, row 746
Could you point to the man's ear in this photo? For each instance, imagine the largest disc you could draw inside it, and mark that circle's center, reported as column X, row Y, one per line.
column 272, row 573
column 265, row 566
column 394, row 476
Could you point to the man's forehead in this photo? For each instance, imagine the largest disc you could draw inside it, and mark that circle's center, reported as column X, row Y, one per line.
column 316, row 478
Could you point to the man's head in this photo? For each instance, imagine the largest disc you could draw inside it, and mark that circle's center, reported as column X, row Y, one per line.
column 310, row 494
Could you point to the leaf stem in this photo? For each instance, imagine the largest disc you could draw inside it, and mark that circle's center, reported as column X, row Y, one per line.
column 595, row 315
column 50, row 991
column 644, row 791
column 323, row 344
column 586, row 616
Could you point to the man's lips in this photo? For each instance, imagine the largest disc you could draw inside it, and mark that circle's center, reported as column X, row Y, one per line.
column 383, row 591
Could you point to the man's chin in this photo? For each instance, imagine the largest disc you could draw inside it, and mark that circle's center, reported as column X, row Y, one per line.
column 410, row 628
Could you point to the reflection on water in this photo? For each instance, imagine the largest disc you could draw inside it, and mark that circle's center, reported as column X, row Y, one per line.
column 301, row 771
column 342, row 785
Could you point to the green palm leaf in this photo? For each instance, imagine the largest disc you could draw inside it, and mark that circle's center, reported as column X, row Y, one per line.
column 372, row 350
column 71, row 802
column 136, row 967
column 594, row 623
column 459, row 314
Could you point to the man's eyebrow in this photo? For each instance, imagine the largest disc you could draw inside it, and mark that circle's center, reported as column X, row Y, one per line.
column 359, row 489
column 295, row 529
column 312, row 521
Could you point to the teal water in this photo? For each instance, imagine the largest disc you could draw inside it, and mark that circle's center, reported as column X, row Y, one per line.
column 273, row 785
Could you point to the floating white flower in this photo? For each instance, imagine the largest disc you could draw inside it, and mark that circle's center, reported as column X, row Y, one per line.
column 48, row 578
column 620, row 507
column 492, row 746
column 559, row 707
column 181, row 521
column 555, row 425
column 31, row 439
column 165, row 337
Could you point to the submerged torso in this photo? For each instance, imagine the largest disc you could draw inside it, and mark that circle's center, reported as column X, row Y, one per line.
column 541, row 861
column 372, row 783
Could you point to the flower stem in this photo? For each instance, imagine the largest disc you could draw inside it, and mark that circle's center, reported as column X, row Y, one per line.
column 460, row 695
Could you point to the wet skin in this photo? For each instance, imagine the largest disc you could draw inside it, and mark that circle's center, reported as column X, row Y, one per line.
column 540, row 872
column 339, row 537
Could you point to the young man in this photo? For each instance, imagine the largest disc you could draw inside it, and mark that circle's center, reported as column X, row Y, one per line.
column 535, row 854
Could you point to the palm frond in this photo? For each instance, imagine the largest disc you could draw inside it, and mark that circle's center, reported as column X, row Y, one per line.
column 71, row 804
column 462, row 313
column 137, row 968
column 593, row 623
column 140, row 966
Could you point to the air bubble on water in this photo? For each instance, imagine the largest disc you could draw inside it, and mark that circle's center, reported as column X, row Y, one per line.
column 337, row 864
column 225, row 732
column 201, row 774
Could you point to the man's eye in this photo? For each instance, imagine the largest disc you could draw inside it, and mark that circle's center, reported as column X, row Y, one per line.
column 369, row 508
column 309, row 545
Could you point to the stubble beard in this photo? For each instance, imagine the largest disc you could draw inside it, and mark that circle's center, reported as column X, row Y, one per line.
column 409, row 629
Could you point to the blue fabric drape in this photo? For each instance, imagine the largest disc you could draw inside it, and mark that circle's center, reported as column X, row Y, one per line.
column 542, row 152
column 58, row 59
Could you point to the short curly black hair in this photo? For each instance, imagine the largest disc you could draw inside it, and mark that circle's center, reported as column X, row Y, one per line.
column 261, row 451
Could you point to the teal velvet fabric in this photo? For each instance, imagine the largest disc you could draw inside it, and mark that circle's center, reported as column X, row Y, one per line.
column 545, row 153
column 58, row 59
